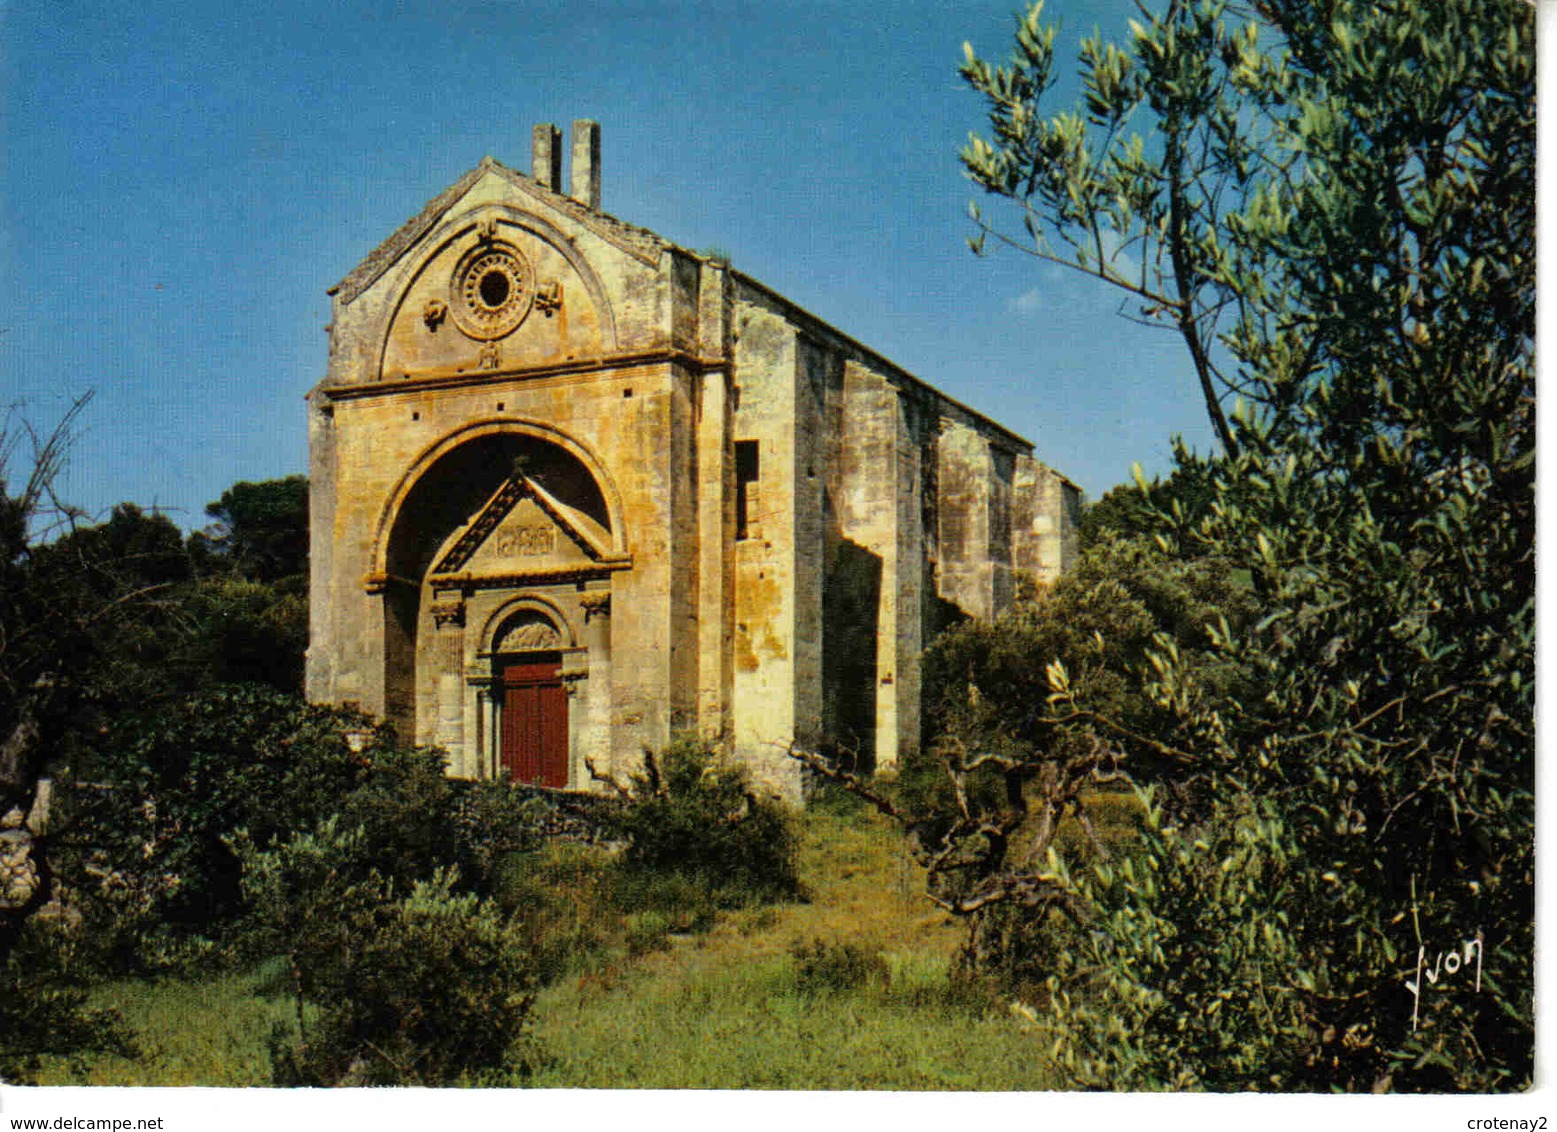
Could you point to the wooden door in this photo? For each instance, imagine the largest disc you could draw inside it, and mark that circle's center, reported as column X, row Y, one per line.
column 535, row 722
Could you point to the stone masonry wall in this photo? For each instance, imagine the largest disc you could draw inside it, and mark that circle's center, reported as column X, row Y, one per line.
column 881, row 510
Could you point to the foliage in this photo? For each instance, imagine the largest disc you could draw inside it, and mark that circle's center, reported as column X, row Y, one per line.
column 1168, row 505
column 1182, row 977
column 1013, row 761
column 62, row 604
column 723, row 1012
column 693, row 814
column 260, row 533
column 823, row 967
column 243, row 632
column 43, row 1003
column 431, row 988
column 493, row 820
column 1334, row 207
column 70, row 597
column 101, row 627
column 150, row 855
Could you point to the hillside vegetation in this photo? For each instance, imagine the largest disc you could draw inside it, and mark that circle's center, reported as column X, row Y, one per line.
column 852, row 986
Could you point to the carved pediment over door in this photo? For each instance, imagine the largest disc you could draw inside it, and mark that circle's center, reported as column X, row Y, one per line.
column 523, row 533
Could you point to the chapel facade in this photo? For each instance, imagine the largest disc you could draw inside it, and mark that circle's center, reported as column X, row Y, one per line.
column 577, row 490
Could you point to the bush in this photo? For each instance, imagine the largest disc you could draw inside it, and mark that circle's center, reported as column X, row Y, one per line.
column 149, row 850
column 43, row 1002
column 1182, row 979
column 562, row 892
column 823, row 968
column 432, row 988
column 646, row 932
column 694, row 815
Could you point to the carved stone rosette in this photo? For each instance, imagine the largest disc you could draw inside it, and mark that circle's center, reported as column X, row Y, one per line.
column 491, row 291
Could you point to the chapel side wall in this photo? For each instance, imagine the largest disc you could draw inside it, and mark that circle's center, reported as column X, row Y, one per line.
column 899, row 705
column 875, row 566
column 910, row 528
column 1045, row 520
column 766, row 358
column 981, row 504
column 964, row 482
column 808, row 487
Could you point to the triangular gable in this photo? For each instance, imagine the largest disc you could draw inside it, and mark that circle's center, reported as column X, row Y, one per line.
column 524, row 527
column 639, row 243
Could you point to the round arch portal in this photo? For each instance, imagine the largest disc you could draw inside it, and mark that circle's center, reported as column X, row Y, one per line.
column 516, row 427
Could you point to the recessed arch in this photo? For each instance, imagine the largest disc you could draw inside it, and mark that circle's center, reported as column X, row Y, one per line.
column 517, row 607
column 474, row 431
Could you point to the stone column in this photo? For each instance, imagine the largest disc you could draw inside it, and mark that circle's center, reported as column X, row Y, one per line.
column 594, row 737
column 449, row 727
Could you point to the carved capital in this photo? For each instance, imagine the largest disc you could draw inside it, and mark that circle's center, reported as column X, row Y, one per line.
column 375, row 583
column 595, row 605
column 448, row 614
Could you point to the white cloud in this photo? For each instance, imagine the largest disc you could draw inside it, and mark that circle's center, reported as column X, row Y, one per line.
column 1124, row 262
column 1028, row 302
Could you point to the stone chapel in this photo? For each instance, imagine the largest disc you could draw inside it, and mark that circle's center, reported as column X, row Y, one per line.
column 576, row 490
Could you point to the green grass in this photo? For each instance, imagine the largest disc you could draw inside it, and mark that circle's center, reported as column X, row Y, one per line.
column 211, row 1032
column 695, row 1020
column 639, row 997
column 727, row 1010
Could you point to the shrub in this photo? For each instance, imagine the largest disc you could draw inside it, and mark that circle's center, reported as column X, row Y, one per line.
column 149, row 852
column 822, row 967
column 646, row 932
column 562, row 892
column 688, row 901
column 493, row 820
column 431, row 988
column 43, row 1002
column 1182, row 977
column 694, row 815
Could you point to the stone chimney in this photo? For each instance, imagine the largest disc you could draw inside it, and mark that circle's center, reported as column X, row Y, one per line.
column 586, row 162
column 546, row 156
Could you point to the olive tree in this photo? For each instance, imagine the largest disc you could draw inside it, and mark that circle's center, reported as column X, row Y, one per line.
column 1333, row 205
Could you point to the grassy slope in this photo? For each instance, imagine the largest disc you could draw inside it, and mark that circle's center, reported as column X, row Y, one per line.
column 726, row 1009
column 722, row 1009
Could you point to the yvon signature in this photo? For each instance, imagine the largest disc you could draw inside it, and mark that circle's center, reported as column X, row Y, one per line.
column 1449, row 963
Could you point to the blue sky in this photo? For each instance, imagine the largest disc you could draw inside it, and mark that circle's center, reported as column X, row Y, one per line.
column 183, row 181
